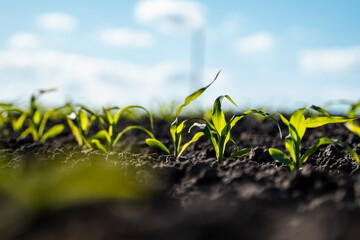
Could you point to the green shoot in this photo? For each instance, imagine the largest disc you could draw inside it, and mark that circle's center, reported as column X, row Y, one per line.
column 176, row 127
column 38, row 120
column 108, row 133
column 79, row 124
column 218, row 131
column 297, row 127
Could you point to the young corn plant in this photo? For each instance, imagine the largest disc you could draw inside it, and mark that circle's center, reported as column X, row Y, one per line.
column 38, row 120
column 297, row 126
column 353, row 125
column 13, row 115
column 219, row 130
column 108, row 133
column 177, row 127
column 80, row 124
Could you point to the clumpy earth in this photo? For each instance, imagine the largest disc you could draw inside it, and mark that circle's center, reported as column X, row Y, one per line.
column 195, row 197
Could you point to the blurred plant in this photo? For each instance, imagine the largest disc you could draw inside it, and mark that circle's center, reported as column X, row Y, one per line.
column 221, row 129
column 38, row 120
column 80, row 124
column 58, row 184
column 108, row 133
column 165, row 110
column 297, row 127
column 353, row 125
column 176, row 127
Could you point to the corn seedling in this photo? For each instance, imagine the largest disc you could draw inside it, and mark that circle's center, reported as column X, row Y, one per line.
column 353, row 125
column 218, row 131
column 297, row 127
column 177, row 128
column 108, row 133
column 79, row 124
column 38, row 120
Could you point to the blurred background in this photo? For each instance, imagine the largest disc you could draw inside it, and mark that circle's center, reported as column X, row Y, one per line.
column 277, row 54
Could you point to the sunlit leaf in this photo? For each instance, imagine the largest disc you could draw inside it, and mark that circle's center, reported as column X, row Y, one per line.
column 122, row 110
column 131, row 128
column 290, row 146
column 18, row 124
column 98, row 144
column 318, row 109
column 284, row 120
column 157, row 144
column 75, row 131
column 313, row 149
column 36, row 118
column 347, row 148
column 84, row 121
column 314, row 122
column 194, row 139
column 102, row 134
column 54, row 131
column 281, row 157
column 354, row 128
column 241, row 153
column 194, row 96
column 297, row 126
column 218, row 117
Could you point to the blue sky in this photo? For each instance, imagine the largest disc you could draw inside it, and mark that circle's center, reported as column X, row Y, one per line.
column 279, row 54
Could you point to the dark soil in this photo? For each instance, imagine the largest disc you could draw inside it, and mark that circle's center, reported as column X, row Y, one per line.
column 251, row 197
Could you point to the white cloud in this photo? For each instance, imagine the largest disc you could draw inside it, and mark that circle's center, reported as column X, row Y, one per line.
column 24, row 40
column 88, row 80
column 123, row 37
column 329, row 60
column 56, row 21
column 259, row 42
column 171, row 16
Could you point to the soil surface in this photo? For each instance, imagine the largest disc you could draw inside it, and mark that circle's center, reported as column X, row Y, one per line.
column 195, row 197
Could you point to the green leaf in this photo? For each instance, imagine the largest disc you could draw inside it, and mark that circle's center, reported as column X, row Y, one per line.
column 265, row 115
column 36, row 118
column 28, row 131
column 347, row 148
column 99, row 118
column 314, row 122
column 290, row 146
column 75, row 131
column 241, row 153
column 313, row 149
column 18, row 124
column 108, row 116
column 194, row 139
column 354, row 128
column 84, row 121
column 99, row 145
column 225, row 134
column 122, row 110
column 318, row 109
column 207, row 131
column 54, row 131
column 44, row 121
column 131, row 128
column 234, row 143
column 194, row 96
column 229, row 98
column 102, row 134
column 297, row 125
column 353, row 110
column 157, row 144
column 279, row 156
column 218, row 117
column 284, row 120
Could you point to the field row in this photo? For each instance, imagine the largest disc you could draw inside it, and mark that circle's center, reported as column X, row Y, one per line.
column 32, row 121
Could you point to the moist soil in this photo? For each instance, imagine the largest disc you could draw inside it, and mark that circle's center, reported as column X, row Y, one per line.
column 195, row 197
